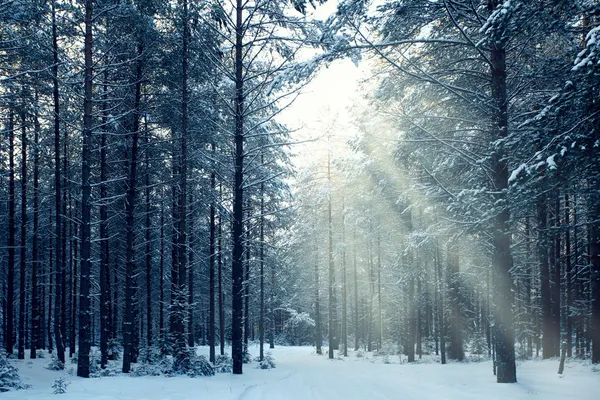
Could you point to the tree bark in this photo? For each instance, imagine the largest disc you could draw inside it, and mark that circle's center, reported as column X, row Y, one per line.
column 35, row 292
column 23, row 247
column 58, row 264
column 83, row 358
column 502, row 257
column 237, row 266
column 129, row 328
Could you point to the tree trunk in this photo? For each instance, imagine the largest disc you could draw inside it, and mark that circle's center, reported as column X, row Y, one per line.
column 441, row 305
column 331, row 326
column 345, row 287
column 83, row 358
column 129, row 326
column 456, row 345
column 262, row 268
column 502, row 257
column 221, row 294
column 569, row 268
column 318, row 329
column 23, row 247
column 35, row 292
column 148, row 251
column 105, row 309
column 191, row 306
column 356, row 321
column 237, row 265
column 58, row 264
column 211, row 268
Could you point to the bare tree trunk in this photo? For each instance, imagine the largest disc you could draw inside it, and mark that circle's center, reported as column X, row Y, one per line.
column 221, row 294
column 161, row 311
column 441, row 305
column 23, row 247
column 58, row 264
column 211, row 267
column 105, row 309
column 356, row 321
column 83, row 358
column 191, row 307
column 569, row 268
column 344, row 286
column 262, row 268
column 35, row 292
column 456, row 344
column 237, row 266
column 318, row 329
column 148, row 251
column 129, row 325
column 331, row 326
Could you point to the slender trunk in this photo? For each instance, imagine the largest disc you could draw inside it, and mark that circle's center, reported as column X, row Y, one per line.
column 221, row 294
column 35, row 293
column 237, row 266
column 58, row 264
column 272, row 308
column 331, row 326
column 344, row 286
column 441, row 309
column 318, row 329
column 191, row 305
column 356, row 322
column 211, row 268
column 83, row 358
column 105, row 309
column 181, row 295
column 148, row 252
column 262, row 268
column 556, row 276
column 548, row 338
column 129, row 320
column 49, row 284
column 247, row 281
column 456, row 345
column 379, row 310
column 73, row 264
column 569, row 269
column 161, row 311
column 23, row 247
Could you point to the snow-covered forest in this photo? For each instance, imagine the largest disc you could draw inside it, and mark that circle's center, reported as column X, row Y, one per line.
column 405, row 192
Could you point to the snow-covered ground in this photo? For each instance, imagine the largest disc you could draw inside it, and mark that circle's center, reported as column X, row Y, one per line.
column 302, row 375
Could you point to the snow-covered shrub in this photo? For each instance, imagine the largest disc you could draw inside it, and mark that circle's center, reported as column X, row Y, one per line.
column 112, row 369
column 158, row 366
column 9, row 375
column 386, row 359
column 223, row 364
column 388, row 348
column 60, row 386
column 75, row 358
column 268, row 362
column 190, row 363
column 478, row 345
column 360, row 354
column 246, row 357
column 114, row 350
column 55, row 364
column 95, row 358
column 200, row 366
column 40, row 354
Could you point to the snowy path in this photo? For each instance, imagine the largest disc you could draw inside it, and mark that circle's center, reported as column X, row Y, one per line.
column 302, row 375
